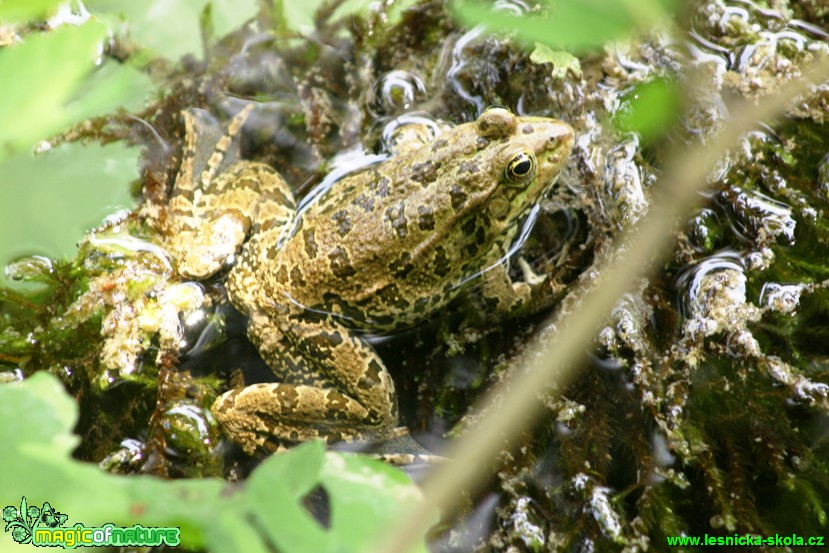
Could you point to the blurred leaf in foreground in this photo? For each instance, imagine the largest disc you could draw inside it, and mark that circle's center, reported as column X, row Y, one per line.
column 24, row 10
column 170, row 28
column 299, row 16
column 48, row 201
column 51, row 81
column 575, row 25
column 364, row 496
column 649, row 109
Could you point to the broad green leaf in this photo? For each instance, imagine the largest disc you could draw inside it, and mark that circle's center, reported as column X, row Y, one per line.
column 24, row 10
column 364, row 493
column 292, row 530
column 57, row 83
column 575, row 25
column 561, row 61
column 364, row 497
column 299, row 16
column 48, row 201
column 170, row 28
column 649, row 109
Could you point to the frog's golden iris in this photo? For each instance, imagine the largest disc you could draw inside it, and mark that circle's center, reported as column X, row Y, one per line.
column 521, row 168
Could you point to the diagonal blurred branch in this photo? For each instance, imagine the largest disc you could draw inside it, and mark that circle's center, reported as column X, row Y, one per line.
column 553, row 356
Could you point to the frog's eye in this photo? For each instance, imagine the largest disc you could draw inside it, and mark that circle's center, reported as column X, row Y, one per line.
column 520, row 169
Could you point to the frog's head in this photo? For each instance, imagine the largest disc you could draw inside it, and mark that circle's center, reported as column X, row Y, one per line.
column 524, row 156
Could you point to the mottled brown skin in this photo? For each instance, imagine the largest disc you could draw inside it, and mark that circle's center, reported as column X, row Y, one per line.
column 381, row 250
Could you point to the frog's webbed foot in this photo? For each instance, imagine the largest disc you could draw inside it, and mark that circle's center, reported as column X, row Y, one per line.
column 205, row 234
column 504, row 297
column 332, row 387
column 217, row 200
column 501, row 295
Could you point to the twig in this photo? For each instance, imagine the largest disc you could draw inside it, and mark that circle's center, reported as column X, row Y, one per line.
column 553, row 356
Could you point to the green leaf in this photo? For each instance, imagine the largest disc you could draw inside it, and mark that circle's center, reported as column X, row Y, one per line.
column 299, row 16
column 266, row 512
column 15, row 11
column 56, row 84
column 291, row 530
column 575, row 25
column 649, row 109
column 48, row 201
column 562, row 61
column 170, row 28
column 364, row 493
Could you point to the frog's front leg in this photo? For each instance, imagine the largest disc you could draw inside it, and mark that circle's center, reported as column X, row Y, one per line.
column 331, row 385
column 500, row 294
column 506, row 298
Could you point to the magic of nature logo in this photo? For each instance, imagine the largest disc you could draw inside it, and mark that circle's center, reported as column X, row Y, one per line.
column 43, row 526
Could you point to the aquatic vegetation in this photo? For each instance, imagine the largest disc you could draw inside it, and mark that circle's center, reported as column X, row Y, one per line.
column 703, row 406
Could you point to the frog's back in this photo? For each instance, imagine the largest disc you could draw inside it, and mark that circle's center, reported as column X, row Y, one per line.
column 390, row 244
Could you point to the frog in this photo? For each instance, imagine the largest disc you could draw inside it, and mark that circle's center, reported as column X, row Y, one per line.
column 383, row 249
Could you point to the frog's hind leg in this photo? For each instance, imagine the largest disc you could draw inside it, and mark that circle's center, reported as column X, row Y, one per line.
column 333, row 386
column 218, row 200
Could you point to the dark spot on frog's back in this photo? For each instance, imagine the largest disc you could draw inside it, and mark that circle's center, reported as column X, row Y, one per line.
column 425, row 218
column 366, row 203
column 340, row 263
column 438, row 144
column 420, row 305
column 469, row 167
column 311, row 247
column 319, row 345
column 401, row 266
column 469, row 226
column 326, row 340
column 457, row 196
column 527, row 129
column 397, row 218
column 282, row 275
column 331, row 298
column 335, row 403
column 390, row 295
column 425, row 173
column 372, row 376
column 379, row 184
column 342, row 221
column 243, row 181
column 480, row 236
column 441, row 265
column 481, row 143
column 279, row 197
column 287, row 396
column 297, row 278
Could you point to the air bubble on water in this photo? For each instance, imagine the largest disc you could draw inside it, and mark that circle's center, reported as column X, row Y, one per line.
column 511, row 7
column 781, row 298
column 757, row 216
column 409, row 132
column 713, row 294
column 396, row 91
